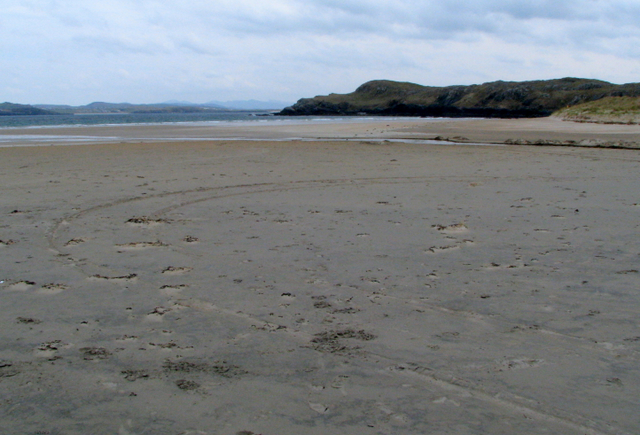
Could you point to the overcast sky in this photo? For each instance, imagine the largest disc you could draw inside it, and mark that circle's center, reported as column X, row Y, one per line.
column 146, row 51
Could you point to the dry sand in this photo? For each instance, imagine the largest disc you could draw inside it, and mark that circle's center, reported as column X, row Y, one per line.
column 319, row 287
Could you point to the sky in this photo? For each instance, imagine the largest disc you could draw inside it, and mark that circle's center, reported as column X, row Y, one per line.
column 148, row 51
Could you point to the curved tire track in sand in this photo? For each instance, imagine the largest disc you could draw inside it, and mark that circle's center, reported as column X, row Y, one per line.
column 201, row 195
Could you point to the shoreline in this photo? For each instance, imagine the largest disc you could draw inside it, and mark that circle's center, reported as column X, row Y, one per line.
column 539, row 131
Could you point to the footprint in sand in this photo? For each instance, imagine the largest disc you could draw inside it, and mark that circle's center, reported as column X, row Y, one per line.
column 145, row 221
column 438, row 249
column 520, row 363
column 136, row 246
column 50, row 349
column 172, row 270
column 318, row 407
column 75, row 242
column 20, row 286
column 52, row 289
column 156, row 314
column 453, row 228
column 288, row 296
column 339, row 383
column 172, row 290
column 117, row 279
column 496, row 266
column 28, row 320
column 128, row 338
column 94, row 353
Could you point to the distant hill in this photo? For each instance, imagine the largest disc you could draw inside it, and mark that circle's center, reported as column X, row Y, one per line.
column 173, row 106
column 12, row 109
column 495, row 99
column 212, row 104
column 114, row 108
column 608, row 110
column 251, row 104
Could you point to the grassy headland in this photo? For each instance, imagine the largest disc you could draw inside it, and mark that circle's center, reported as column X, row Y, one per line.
column 608, row 110
column 495, row 99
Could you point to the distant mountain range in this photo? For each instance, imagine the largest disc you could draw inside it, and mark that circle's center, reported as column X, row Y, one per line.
column 13, row 109
column 166, row 107
column 235, row 104
column 495, row 99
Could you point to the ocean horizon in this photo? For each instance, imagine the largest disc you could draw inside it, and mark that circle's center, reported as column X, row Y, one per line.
column 22, row 121
column 37, row 130
column 81, row 120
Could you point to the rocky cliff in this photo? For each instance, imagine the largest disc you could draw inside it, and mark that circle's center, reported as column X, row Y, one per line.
column 495, row 99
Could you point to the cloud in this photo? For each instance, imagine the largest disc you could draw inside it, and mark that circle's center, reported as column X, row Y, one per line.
column 228, row 49
column 426, row 20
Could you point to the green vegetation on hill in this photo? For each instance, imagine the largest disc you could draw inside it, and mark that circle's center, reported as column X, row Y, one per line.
column 613, row 110
column 494, row 99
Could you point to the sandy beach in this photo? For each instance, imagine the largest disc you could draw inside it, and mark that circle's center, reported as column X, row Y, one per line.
column 462, row 130
column 329, row 278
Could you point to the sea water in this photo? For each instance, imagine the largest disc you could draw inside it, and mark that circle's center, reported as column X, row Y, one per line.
column 127, row 118
column 262, row 117
column 34, row 124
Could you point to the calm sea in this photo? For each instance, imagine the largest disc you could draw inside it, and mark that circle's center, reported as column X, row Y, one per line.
column 133, row 118
column 33, row 138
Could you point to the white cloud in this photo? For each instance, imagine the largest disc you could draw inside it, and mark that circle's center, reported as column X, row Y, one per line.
column 75, row 51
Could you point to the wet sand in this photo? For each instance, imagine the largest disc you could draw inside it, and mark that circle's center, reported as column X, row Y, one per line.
column 494, row 131
column 320, row 287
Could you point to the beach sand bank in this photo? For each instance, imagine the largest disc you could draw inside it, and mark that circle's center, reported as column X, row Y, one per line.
column 319, row 287
column 494, row 131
